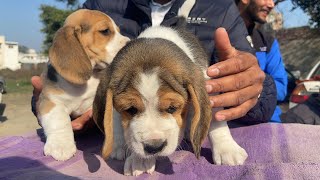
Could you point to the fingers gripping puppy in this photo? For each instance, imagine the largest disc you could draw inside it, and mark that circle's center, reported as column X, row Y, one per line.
column 86, row 43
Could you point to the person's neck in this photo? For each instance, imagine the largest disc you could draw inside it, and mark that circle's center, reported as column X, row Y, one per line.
column 246, row 18
column 248, row 21
column 162, row 1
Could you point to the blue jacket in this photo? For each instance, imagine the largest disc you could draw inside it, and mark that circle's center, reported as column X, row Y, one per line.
column 133, row 16
column 270, row 60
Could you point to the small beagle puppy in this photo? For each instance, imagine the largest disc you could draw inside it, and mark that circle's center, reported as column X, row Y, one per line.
column 152, row 89
column 87, row 42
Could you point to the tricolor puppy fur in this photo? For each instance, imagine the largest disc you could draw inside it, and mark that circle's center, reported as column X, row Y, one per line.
column 87, row 43
column 152, row 93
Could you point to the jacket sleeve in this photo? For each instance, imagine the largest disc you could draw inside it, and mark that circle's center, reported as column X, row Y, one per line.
column 263, row 110
column 236, row 29
column 92, row 4
column 99, row 5
column 230, row 19
column 267, row 101
column 276, row 70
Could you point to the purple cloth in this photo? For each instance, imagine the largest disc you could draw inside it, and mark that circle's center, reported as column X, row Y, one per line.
column 276, row 151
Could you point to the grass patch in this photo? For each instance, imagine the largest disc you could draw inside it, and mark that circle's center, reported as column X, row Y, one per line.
column 19, row 81
column 19, row 86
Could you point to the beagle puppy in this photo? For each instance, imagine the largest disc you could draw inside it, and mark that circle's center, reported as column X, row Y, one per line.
column 87, row 42
column 153, row 87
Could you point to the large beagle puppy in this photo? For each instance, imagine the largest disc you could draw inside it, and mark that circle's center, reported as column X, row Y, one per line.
column 154, row 86
column 88, row 41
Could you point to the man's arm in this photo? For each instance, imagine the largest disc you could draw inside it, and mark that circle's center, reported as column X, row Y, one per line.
column 266, row 104
column 247, row 82
column 263, row 110
column 275, row 68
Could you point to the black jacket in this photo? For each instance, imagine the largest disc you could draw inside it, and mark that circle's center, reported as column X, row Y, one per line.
column 133, row 16
column 305, row 113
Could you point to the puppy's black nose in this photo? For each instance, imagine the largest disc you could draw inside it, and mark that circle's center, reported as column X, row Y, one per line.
column 154, row 146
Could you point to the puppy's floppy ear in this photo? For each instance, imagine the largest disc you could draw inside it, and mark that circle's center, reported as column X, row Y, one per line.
column 68, row 57
column 202, row 115
column 103, row 113
column 108, row 126
column 99, row 102
column 103, row 117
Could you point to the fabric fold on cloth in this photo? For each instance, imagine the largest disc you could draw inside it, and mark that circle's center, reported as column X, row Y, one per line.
column 276, row 151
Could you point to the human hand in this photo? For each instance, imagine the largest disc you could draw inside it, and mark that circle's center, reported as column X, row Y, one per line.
column 237, row 75
column 77, row 123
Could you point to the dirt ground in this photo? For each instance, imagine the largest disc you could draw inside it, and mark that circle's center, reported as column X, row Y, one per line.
column 17, row 118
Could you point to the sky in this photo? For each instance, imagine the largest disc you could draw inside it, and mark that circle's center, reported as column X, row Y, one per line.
column 20, row 22
column 294, row 18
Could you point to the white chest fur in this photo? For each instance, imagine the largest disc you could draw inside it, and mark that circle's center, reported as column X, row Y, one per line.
column 77, row 99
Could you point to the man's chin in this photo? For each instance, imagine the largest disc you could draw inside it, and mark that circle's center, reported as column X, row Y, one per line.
column 261, row 20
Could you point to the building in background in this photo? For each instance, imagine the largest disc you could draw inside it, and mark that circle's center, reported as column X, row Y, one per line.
column 32, row 57
column 9, row 52
column 11, row 58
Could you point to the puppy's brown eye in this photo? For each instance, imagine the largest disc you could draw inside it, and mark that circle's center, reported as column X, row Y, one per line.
column 105, row 32
column 132, row 111
column 171, row 109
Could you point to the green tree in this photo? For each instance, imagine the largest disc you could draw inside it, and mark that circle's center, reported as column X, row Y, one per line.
column 23, row 49
column 312, row 8
column 53, row 18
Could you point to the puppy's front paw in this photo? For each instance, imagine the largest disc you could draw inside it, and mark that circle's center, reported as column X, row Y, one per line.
column 135, row 166
column 60, row 147
column 118, row 153
column 228, row 153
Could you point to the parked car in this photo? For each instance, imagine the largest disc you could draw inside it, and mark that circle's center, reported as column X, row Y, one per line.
column 293, row 76
column 315, row 72
column 306, row 87
column 2, row 85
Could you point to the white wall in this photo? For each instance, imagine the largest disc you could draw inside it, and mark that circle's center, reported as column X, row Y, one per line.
column 32, row 57
column 11, row 56
column 2, row 45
